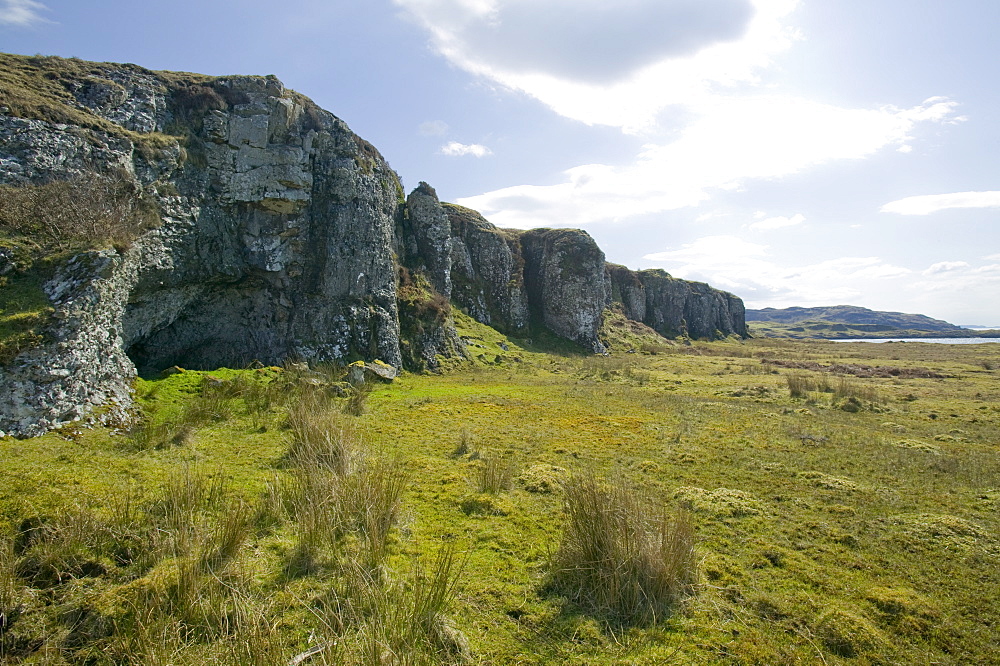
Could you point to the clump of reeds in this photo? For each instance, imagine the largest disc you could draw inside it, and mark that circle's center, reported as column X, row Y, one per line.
column 801, row 385
column 320, row 438
column 494, row 473
column 847, row 389
column 618, row 556
column 402, row 621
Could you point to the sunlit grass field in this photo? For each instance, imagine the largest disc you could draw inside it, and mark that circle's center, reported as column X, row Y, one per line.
column 822, row 502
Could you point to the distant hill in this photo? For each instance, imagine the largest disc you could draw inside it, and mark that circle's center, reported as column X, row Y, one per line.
column 852, row 314
column 850, row 321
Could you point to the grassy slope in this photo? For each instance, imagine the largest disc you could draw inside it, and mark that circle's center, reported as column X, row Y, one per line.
column 864, row 537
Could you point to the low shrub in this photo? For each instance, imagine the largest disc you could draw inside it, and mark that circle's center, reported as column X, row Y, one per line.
column 91, row 210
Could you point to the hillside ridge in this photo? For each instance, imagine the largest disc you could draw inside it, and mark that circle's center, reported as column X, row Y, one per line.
column 851, row 321
column 851, row 314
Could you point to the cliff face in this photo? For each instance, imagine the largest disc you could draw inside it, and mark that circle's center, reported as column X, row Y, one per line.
column 556, row 278
column 276, row 239
column 280, row 244
column 564, row 271
column 281, row 235
column 488, row 271
column 675, row 307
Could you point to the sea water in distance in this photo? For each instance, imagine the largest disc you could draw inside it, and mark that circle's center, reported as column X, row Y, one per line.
column 940, row 341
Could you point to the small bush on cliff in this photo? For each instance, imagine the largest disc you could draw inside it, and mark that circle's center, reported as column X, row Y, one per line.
column 422, row 313
column 418, row 301
column 91, row 210
column 40, row 226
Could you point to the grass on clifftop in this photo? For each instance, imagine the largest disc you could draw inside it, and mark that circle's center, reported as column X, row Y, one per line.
column 41, row 227
column 252, row 519
column 38, row 88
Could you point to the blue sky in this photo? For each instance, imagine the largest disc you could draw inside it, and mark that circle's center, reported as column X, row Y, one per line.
column 794, row 152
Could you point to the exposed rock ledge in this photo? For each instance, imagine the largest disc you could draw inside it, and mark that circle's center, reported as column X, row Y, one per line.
column 282, row 236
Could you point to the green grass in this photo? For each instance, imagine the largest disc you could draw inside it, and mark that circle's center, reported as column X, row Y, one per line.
column 819, row 534
column 25, row 312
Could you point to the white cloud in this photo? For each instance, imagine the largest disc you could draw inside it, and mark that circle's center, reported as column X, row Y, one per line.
column 725, row 132
column 945, row 267
column 456, row 149
column 433, row 128
column 713, row 251
column 765, row 279
column 21, row 12
column 992, row 257
column 608, row 63
column 589, row 41
column 945, row 284
column 779, row 222
column 735, row 140
column 932, row 203
column 749, row 270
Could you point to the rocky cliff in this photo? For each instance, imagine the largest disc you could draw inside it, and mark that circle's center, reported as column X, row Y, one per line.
column 280, row 234
column 556, row 278
column 674, row 307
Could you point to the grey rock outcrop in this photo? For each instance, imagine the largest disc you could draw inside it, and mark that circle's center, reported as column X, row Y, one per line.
column 674, row 307
column 425, row 238
column 282, row 235
column 553, row 278
column 276, row 241
column 488, row 271
column 280, row 245
column 84, row 368
column 565, row 278
column 627, row 289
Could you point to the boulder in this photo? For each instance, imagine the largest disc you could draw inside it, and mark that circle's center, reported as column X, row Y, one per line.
column 359, row 372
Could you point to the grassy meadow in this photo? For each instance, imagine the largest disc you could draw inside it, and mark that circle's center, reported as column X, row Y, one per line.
column 742, row 502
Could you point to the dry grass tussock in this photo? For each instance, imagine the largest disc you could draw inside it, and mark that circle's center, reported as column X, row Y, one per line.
column 853, row 394
column 494, row 473
column 618, row 557
column 320, row 436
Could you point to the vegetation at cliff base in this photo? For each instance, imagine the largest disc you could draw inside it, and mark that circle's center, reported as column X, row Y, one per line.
column 735, row 502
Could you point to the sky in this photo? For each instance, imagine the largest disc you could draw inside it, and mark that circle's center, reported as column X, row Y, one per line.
column 792, row 152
